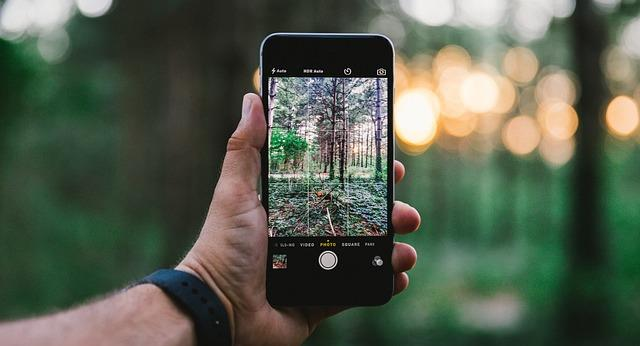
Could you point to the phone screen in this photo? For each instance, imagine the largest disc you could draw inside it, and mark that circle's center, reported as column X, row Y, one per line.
column 328, row 172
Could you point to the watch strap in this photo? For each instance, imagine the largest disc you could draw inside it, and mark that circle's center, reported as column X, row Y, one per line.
column 197, row 300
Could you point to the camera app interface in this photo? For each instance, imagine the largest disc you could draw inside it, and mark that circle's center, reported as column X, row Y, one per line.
column 327, row 146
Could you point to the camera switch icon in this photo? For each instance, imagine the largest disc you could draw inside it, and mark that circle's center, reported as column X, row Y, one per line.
column 381, row 72
column 377, row 261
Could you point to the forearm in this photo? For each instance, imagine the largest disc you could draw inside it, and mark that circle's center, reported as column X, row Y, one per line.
column 142, row 315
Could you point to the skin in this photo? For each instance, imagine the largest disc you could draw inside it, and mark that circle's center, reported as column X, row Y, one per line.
column 230, row 256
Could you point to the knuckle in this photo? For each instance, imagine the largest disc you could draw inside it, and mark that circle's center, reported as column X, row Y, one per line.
column 236, row 143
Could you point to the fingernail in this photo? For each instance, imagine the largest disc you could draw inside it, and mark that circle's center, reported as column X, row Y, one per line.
column 246, row 104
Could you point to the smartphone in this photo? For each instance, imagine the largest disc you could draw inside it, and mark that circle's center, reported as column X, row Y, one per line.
column 327, row 168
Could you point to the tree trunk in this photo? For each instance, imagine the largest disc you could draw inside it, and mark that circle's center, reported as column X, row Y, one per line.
column 378, row 134
column 584, row 314
column 273, row 90
column 334, row 118
column 345, row 135
column 326, row 155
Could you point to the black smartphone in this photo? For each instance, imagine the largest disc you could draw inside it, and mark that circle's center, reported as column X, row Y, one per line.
column 327, row 168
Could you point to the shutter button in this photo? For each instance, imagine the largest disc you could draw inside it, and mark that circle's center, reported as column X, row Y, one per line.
column 328, row 260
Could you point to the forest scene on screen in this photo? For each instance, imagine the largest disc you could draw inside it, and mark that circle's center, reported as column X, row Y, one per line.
column 327, row 156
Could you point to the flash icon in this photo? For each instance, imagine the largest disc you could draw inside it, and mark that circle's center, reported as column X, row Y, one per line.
column 273, row 71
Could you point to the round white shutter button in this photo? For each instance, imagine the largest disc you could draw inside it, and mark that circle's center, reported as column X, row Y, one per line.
column 328, row 260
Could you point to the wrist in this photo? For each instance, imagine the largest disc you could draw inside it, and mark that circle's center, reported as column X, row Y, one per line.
column 161, row 314
column 198, row 270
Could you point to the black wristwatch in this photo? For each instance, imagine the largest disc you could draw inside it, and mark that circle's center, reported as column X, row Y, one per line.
column 198, row 301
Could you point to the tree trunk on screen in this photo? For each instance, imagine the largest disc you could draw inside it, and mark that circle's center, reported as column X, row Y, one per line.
column 334, row 119
column 332, row 145
column 345, row 136
column 360, row 149
column 378, row 129
column 584, row 313
column 273, row 90
column 325, row 158
column 366, row 148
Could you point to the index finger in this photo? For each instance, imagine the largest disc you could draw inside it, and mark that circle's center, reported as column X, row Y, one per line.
column 398, row 169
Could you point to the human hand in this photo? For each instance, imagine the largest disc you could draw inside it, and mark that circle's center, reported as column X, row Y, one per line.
column 231, row 252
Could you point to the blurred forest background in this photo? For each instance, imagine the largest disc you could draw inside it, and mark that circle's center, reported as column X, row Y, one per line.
column 517, row 121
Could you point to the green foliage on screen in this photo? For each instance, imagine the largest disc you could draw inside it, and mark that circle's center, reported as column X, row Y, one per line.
column 287, row 148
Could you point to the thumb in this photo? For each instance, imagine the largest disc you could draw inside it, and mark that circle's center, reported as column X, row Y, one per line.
column 241, row 167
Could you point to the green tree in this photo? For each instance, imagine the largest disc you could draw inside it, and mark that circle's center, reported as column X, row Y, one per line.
column 287, row 150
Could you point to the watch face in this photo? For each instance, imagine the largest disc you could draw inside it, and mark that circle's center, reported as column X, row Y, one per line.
column 327, row 166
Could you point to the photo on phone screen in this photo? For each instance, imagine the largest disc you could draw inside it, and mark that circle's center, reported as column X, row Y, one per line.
column 327, row 146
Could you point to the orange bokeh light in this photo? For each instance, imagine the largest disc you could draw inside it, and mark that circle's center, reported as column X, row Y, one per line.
column 622, row 116
column 479, row 92
column 556, row 153
column 520, row 64
column 461, row 126
column 521, row 135
column 556, row 86
column 256, row 80
column 558, row 119
column 451, row 56
column 416, row 119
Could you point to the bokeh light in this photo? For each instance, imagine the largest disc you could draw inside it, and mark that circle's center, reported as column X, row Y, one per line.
column 54, row 46
column 618, row 66
column 558, row 119
column 451, row 56
column 256, row 80
column 630, row 38
column 482, row 14
column 525, row 20
column 94, row 8
column 49, row 14
column 622, row 116
column 416, row 119
column 521, row 135
column 520, row 64
column 14, row 18
column 449, row 90
column 461, row 126
column 429, row 12
column 389, row 25
column 488, row 123
column 562, row 8
column 507, row 95
column 557, row 85
column 607, row 6
column 35, row 17
column 530, row 21
column 479, row 92
column 401, row 75
column 556, row 153
column 421, row 75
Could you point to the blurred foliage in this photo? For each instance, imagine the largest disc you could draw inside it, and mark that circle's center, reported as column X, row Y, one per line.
column 108, row 158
